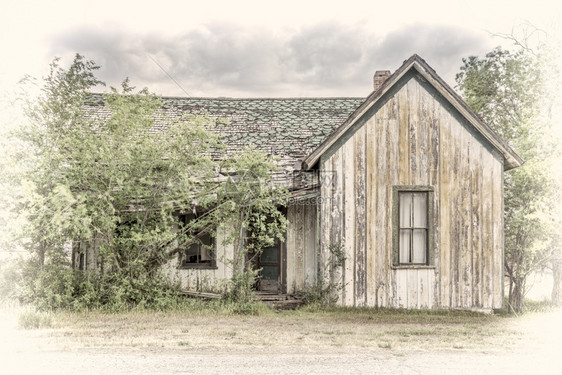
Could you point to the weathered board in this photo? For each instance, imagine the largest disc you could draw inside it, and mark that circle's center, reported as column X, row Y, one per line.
column 415, row 138
column 348, row 290
column 301, row 262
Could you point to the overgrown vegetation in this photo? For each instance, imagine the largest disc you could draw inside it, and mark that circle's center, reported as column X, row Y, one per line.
column 325, row 291
column 251, row 206
column 101, row 193
column 58, row 286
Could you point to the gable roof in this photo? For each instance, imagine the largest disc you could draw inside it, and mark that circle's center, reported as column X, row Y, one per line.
column 512, row 159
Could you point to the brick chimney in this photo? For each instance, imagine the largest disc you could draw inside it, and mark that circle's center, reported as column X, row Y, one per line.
column 379, row 78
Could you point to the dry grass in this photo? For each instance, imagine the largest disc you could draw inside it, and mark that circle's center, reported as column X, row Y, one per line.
column 301, row 329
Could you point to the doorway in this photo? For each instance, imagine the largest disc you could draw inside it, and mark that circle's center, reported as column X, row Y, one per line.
column 270, row 264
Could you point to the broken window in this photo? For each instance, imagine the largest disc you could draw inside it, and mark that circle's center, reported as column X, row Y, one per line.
column 413, row 209
column 200, row 249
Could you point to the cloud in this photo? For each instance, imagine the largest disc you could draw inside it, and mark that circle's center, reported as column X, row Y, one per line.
column 222, row 59
column 326, row 54
column 441, row 46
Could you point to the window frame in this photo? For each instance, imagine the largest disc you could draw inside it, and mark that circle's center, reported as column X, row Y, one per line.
column 396, row 190
column 183, row 218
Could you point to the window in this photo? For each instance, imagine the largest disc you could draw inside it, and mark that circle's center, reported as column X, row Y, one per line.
column 200, row 252
column 412, row 225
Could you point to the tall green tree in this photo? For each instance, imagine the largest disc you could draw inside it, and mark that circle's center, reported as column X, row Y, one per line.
column 507, row 89
column 111, row 183
column 96, row 176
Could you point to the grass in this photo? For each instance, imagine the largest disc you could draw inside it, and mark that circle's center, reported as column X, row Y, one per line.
column 35, row 320
column 203, row 325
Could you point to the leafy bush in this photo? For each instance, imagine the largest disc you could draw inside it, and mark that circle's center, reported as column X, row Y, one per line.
column 47, row 288
column 325, row 293
column 322, row 293
column 240, row 295
column 59, row 287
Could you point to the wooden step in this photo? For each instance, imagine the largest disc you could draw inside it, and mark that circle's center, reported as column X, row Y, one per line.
column 275, row 300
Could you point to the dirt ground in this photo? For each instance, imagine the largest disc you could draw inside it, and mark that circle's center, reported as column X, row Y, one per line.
column 538, row 350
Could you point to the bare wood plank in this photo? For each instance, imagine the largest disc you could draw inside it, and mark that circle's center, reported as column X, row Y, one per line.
column 401, row 276
column 423, row 151
column 383, row 276
column 404, row 136
column 194, row 293
column 349, row 223
column 220, row 253
column 423, row 288
column 310, row 242
column 224, row 252
column 414, row 124
column 360, row 206
column 291, row 248
column 325, row 219
column 456, row 202
column 497, row 208
column 465, row 224
column 487, row 240
column 431, row 289
column 337, row 217
column 392, row 176
column 476, row 213
column 412, row 285
column 435, row 181
column 299, row 247
column 371, row 212
column 445, row 209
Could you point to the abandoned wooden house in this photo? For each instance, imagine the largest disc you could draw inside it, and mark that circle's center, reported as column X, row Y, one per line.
column 409, row 191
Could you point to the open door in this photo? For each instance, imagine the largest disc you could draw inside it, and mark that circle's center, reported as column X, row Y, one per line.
column 270, row 263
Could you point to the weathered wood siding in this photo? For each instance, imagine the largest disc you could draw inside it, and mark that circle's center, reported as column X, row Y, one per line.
column 414, row 138
column 204, row 280
column 301, row 263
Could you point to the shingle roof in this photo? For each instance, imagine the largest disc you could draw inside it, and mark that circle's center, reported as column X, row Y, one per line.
column 287, row 127
column 292, row 127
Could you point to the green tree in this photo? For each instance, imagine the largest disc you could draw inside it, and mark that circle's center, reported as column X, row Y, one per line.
column 252, row 203
column 111, row 183
column 507, row 89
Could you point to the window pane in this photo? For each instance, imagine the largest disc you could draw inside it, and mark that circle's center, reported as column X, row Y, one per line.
column 405, row 245
column 420, row 210
column 405, row 210
column 420, row 244
column 206, row 248
column 192, row 254
column 270, row 272
column 270, row 255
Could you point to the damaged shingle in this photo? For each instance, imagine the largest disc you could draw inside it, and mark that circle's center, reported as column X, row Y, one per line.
column 289, row 128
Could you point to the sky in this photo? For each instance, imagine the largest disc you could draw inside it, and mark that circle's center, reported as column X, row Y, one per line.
column 256, row 48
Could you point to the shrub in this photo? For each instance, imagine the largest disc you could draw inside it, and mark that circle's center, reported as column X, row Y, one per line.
column 322, row 293
column 60, row 287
